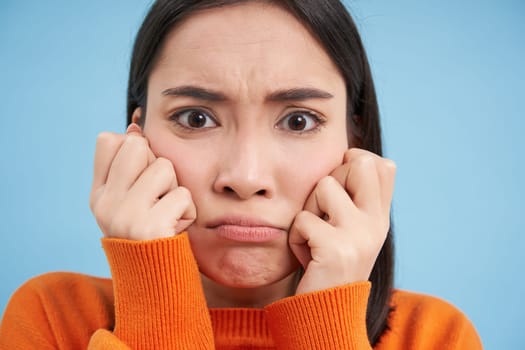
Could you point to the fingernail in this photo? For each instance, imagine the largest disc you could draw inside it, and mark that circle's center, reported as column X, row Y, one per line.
column 134, row 129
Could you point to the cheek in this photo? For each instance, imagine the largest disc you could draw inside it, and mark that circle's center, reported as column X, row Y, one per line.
column 301, row 174
column 193, row 164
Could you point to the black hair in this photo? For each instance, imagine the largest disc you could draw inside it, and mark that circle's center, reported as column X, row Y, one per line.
column 331, row 24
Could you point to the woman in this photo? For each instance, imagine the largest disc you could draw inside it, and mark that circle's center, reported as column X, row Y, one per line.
column 248, row 205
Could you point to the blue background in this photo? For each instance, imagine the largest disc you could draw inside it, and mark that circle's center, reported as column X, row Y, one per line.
column 449, row 75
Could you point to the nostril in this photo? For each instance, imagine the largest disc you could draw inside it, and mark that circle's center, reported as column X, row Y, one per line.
column 228, row 189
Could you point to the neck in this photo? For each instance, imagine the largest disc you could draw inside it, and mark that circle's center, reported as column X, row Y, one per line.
column 220, row 296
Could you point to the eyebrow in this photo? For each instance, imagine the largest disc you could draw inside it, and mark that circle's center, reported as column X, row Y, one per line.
column 293, row 94
column 298, row 94
column 195, row 92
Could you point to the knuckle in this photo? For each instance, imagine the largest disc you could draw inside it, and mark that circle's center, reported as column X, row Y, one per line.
column 390, row 166
column 162, row 170
column 387, row 168
column 135, row 146
column 366, row 160
column 92, row 203
column 184, row 193
column 106, row 137
column 353, row 153
column 301, row 219
column 302, row 215
column 164, row 164
column 95, row 197
column 103, row 221
column 97, row 211
column 327, row 182
column 323, row 182
column 136, row 142
column 108, row 141
column 100, row 209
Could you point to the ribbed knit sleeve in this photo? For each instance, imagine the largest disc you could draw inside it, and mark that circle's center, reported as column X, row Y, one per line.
column 159, row 301
column 330, row 319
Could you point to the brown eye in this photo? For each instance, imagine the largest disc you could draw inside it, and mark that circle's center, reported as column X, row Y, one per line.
column 300, row 122
column 194, row 119
column 297, row 122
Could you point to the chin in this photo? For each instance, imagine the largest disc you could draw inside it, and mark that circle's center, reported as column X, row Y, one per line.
column 241, row 265
column 249, row 269
column 246, row 282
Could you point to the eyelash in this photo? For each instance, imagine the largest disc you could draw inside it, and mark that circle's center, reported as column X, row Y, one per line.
column 177, row 116
column 318, row 120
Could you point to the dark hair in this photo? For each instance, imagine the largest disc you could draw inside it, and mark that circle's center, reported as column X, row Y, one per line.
column 332, row 25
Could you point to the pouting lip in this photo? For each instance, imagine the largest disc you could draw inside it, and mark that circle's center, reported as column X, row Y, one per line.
column 240, row 220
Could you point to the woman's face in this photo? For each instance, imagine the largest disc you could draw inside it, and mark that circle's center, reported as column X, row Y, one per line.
column 251, row 112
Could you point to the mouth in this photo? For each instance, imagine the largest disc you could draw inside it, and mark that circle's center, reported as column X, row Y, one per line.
column 245, row 229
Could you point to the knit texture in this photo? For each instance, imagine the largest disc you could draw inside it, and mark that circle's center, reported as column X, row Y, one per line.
column 155, row 301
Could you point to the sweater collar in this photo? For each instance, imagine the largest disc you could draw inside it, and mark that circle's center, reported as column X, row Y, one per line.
column 235, row 326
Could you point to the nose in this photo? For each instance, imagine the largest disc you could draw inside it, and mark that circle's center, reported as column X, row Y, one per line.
column 245, row 170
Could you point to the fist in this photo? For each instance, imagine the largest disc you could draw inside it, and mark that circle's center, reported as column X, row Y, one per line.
column 134, row 194
column 345, row 221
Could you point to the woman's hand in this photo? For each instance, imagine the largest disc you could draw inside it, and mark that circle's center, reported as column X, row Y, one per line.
column 134, row 194
column 338, row 235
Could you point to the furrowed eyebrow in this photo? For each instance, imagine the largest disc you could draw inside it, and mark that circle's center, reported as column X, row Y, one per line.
column 298, row 94
column 195, row 92
column 293, row 94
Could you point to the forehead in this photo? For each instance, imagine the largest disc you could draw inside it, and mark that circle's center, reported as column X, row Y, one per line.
column 240, row 24
column 251, row 41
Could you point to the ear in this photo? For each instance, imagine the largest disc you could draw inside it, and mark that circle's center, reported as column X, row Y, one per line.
column 137, row 116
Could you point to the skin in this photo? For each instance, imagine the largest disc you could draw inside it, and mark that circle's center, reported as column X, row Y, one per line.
column 330, row 204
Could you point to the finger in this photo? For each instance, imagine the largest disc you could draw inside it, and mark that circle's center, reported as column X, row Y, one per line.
column 304, row 236
column 154, row 182
column 330, row 201
column 136, row 130
column 341, row 173
column 130, row 161
column 386, row 172
column 387, row 175
column 362, row 179
column 106, row 149
column 177, row 204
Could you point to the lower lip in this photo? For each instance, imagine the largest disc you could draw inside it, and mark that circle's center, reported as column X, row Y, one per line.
column 255, row 234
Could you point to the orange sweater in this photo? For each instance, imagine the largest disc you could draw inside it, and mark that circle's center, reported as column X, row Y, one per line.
column 155, row 301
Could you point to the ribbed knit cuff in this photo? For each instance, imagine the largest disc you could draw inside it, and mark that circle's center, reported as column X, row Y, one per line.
column 159, row 301
column 334, row 318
